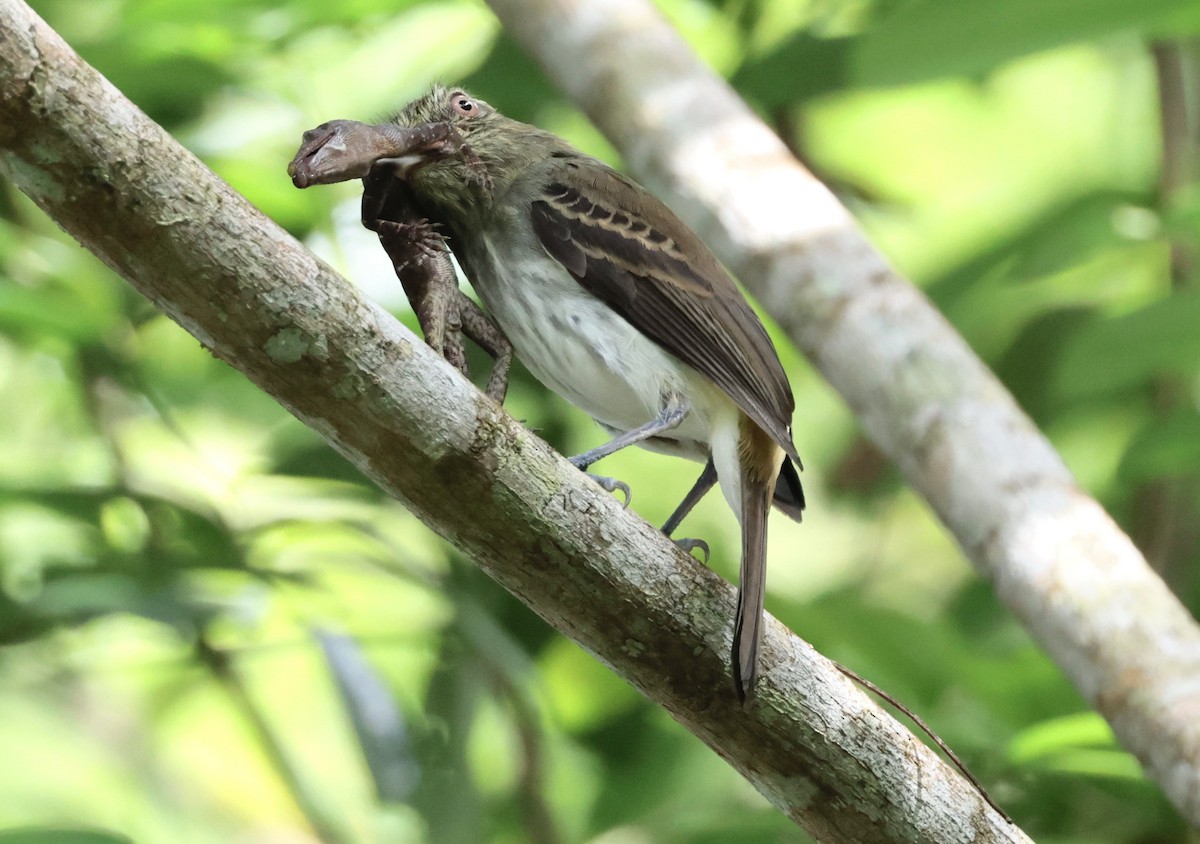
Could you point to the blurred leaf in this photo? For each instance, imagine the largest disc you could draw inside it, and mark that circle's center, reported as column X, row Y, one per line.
column 1120, row 352
column 802, row 67
column 378, row 722
column 74, row 597
column 446, row 39
column 579, row 688
column 57, row 835
column 1081, row 743
column 18, row 623
column 26, row 311
column 1168, row 446
column 125, row 525
column 945, row 38
column 1080, row 729
column 1062, row 237
column 1069, row 235
column 179, row 536
column 447, row 796
column 1114, row 763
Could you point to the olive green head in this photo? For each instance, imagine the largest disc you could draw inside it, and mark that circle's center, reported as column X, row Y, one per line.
column 478, row 150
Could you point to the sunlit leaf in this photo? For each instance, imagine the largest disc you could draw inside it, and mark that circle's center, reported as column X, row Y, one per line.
column 1081, row 743
column 1080, row 729
column 935, row 38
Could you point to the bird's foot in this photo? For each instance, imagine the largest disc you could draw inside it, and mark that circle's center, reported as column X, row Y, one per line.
column 606, row 483
column 690, row 545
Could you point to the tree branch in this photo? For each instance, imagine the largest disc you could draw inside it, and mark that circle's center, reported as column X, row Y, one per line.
column 1054, row 556
column 816, row 746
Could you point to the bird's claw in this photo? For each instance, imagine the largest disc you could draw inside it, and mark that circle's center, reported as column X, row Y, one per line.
column 690, row 545
column 613, row 485
column 606, row 483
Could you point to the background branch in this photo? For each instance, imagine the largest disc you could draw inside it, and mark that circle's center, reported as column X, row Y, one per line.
column 812, row 743
column 1054, row 556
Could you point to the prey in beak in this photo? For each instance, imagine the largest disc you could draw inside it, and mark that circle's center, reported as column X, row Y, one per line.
column 384, row 156
column 341, row 150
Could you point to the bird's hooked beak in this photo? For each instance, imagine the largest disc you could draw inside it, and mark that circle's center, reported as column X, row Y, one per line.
column 346, row 149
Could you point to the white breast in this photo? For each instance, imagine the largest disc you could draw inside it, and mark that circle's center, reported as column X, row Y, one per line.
column 584, row 351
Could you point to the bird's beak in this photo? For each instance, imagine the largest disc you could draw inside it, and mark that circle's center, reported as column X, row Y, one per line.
column 346, row 149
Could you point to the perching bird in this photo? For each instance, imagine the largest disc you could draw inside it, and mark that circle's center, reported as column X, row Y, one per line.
column 607, row 297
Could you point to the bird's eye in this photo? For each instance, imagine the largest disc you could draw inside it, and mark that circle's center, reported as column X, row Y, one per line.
column 462, row 104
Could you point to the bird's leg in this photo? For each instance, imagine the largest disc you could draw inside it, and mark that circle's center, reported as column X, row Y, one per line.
column 673, row 412
column 703, row 484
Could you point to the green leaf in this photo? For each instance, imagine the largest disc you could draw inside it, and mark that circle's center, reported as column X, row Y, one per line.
column 774, row 79
column 57, row 835
column 1056, row 735
column 1117, row 353
column 1062, row 237
column 1080, row 744
column 18, row 624
column 55, row 310
column 933, row 40
column 1167, row 446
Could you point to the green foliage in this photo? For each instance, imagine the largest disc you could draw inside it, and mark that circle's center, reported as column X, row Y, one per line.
column 925, row 41
column 212, row 629
column 60, row 836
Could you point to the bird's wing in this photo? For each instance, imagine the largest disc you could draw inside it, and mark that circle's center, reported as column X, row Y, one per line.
column 662, row 279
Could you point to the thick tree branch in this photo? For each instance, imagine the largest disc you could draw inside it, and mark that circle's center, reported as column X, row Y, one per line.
column 1055, row 557
column 811, row 742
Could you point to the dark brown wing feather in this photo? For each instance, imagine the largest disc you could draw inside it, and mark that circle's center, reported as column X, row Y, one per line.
column 666, row 283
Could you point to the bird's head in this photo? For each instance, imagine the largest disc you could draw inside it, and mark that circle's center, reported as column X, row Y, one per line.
column 449, row 145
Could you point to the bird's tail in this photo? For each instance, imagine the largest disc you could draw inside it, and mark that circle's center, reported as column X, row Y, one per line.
column 759, row 460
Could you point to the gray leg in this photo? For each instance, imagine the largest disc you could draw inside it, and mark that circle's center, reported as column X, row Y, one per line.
column 703, row 484
column 672, row 414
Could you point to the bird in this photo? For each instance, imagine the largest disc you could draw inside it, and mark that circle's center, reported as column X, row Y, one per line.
column 609, row 300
